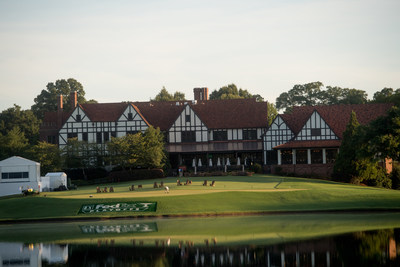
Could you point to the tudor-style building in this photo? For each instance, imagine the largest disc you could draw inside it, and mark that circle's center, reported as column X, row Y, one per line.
column 307, row 140
column 209, row 131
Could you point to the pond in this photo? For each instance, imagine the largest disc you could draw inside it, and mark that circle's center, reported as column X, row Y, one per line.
column 331, row 239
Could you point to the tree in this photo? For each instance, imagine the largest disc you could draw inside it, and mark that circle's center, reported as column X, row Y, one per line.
column 164, row 95
column 311, row 94
column 231, row 91
column 345, row 165
column 151, row 153
column 48, row 155
column 144, row 150
column 300, row 95
column 353, row 164
column 25, row 120
column 383, row 136
column 387, row 95
column 272, row 113
column 47, row 99
column 81, row 154
column 14, row 143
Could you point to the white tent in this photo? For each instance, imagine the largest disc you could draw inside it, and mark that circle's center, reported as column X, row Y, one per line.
column 199, row 163
column 194, row 163
column 210, row 163
column 238, row 161
column 218, row 162
column 228, row 163
column 53, row 180
column 17, row 174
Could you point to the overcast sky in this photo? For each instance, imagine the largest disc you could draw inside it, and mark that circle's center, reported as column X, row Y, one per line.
column 128, row 50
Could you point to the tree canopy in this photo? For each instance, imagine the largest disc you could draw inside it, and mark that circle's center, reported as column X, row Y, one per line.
column 47, row 99
column 164, row 95
column 144, row 150
column 14, row 143
column 231, row 91
column 382, row 136
column 26, row 122
column 311, row 94
column 387, row 95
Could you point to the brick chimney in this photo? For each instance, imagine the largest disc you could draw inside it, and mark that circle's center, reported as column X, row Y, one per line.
column 73, row 98
column 200, row 93
column 59, row 110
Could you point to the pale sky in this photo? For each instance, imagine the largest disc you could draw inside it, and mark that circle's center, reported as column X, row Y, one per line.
column 128, row 50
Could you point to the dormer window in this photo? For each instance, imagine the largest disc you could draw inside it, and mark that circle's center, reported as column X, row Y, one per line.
column 187, row 118
column 130, row 116
column 78, row 118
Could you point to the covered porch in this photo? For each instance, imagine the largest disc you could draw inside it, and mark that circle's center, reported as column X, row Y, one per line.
column 313, row 158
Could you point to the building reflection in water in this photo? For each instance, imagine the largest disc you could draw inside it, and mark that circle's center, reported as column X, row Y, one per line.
column 18, row 254
column 374, row 248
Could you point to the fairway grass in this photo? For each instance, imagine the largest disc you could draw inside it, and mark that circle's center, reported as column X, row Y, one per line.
column 230, row 195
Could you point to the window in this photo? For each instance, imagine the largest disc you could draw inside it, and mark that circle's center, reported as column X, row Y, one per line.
column 188, row 136
column 106, row 137
column 316, row 132
column 78, row 118
column 301, row 157
column 316, row 156
column 85, row 137
column 14, row 175
column 331, row 155
column 51, row 139
column 130, row 116
column 72, row 135
column 286, row 156
column 220, row 135
column 99, row 138
column 187, row 118
column 249, row 134
column 113, row 134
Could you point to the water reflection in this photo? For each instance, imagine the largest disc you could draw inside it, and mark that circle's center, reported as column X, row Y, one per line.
column 18, row 254
column 295, row 240
column 372, row 248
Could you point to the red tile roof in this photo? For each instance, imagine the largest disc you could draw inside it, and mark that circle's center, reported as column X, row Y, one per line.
column 232, row 113
column 310, row 144
column 215, row 114
column 336, row 116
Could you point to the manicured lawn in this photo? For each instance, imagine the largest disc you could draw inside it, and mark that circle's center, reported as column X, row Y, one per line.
column 231, row 194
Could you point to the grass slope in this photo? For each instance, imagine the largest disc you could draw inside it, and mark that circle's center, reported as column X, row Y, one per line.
column 259, row 193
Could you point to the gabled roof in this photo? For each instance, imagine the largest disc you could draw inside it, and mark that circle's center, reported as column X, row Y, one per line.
column 336, row 116
column 160, row 114
column 102, row 112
